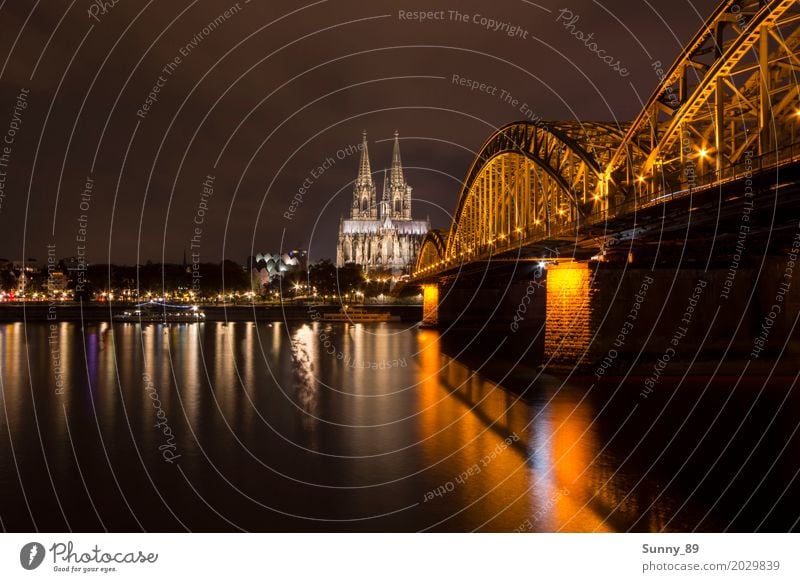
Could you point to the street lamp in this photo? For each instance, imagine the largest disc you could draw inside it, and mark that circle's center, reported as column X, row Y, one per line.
column 702, row 154
column 796, row 116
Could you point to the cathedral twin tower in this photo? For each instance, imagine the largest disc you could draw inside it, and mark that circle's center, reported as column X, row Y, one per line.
column 381, row 236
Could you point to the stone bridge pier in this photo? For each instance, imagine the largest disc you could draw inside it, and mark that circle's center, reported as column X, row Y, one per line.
column 599, row 315
column 602, row 315
column 512, row 301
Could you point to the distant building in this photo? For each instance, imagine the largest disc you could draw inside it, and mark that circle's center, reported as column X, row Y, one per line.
column 31, row 266
column 57, row 281
column 23, row 280
column 380, row 236
column 72, row 264
column 265, row 267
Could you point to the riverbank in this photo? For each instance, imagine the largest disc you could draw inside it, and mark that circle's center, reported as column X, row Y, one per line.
column 92, row 312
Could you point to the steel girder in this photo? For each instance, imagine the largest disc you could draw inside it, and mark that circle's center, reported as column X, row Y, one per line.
column 530, row 178
column 431, row 251
column 730, row 97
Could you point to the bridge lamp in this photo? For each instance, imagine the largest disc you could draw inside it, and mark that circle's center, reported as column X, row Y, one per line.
column 703, row 153
column 640, row 179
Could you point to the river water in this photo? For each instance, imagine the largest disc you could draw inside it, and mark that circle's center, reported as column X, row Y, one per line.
column 320, row 427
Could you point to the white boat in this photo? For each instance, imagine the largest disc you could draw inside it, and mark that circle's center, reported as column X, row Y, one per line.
column 358, row 315
column 157, row 312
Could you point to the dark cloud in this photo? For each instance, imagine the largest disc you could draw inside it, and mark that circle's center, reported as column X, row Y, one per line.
column 272, row 91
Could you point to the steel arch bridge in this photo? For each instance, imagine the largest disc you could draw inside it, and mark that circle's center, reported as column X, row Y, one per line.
column 727, row 104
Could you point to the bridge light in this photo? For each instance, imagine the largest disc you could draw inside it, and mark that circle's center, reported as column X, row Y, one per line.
column 703, row 153
column 640, row 179
column 517, row 229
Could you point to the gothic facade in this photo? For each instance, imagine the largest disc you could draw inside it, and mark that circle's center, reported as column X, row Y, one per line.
column 381, row 236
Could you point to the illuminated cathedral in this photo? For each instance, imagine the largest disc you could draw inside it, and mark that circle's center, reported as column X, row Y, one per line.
column 381, row 236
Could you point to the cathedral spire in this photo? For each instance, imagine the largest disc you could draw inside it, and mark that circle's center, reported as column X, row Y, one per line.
column 365, row 204
column 399, row 190
column 386, row 203
column 397, row 164
column 364, row 170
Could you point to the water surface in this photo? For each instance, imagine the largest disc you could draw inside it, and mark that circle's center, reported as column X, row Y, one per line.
column 319, row 427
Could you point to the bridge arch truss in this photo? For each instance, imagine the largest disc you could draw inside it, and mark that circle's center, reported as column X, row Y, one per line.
column 530, row 180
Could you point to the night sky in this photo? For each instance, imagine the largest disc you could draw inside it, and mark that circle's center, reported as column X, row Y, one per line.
column 262, row 95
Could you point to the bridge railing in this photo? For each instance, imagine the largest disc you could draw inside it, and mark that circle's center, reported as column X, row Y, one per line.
column 750, row 166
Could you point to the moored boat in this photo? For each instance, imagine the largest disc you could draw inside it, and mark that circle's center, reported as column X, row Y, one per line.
column 359, row 315
column 157, row 312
